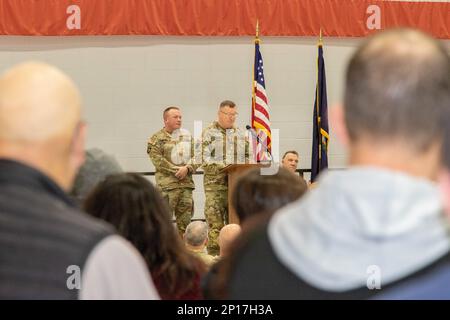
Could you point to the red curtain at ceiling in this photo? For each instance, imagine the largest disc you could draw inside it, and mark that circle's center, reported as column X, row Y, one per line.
column 338, row 18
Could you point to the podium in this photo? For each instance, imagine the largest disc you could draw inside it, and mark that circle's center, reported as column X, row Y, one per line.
column 234, row 171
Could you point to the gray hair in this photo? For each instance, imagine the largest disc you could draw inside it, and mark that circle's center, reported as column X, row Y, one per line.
column 196, row 233
column 97, row 166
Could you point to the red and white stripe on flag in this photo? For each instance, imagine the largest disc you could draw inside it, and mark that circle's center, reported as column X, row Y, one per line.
column 260, row 111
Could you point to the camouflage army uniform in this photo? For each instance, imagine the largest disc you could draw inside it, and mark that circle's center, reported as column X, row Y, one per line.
column 168, row 153
column 215, row 182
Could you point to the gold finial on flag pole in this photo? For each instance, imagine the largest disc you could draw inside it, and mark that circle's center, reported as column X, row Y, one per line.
column 320, row 37
column 257, row 31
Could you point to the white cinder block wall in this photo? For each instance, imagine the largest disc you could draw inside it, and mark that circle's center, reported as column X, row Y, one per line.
column 127, row 81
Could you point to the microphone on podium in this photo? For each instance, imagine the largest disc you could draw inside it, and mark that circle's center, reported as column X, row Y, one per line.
column 251, row 130
column 258, row 141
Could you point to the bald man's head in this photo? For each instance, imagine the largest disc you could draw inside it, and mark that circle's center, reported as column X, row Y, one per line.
column 226, row 237
column 37, row 102
column 40, row 110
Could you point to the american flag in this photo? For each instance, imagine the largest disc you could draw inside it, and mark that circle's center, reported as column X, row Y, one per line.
column 260, row 110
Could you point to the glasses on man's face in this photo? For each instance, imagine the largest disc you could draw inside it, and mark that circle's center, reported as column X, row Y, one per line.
column 231, row 115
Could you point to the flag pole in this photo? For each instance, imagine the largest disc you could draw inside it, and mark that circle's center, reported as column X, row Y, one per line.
column 257, row 31
column 320, row 37
column 319, row 44
column 253, row 76
column 254, row 146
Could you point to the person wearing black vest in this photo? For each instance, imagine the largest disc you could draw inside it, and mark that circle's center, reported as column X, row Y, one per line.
column 48, row 248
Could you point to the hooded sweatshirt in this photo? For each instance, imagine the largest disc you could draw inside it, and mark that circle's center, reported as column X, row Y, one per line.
column 360, row 223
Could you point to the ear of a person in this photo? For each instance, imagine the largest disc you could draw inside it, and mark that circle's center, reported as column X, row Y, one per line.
column 78, row 148
column 338, row 124
column 444, row 186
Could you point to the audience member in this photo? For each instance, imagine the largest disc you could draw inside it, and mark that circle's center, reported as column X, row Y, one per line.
column 257, row 194
column 51, row 250
column 432, row 284
column 226, row 237
column 137, row 210
column 196, row 239
column 96, row 167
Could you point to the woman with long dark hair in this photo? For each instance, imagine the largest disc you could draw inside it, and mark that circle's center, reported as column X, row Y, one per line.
column 134, row 206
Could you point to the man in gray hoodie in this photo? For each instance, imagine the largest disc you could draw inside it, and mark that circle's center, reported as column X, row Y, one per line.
column 380, row 222
column 432, row 285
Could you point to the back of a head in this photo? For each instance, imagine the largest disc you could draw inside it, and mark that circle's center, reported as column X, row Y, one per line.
column 135, row 208
column 40, row 121
column 255, row 193
column 196, row 233
column 97, row 166
column 37, row 102
column 226, row 237
column 398, row 88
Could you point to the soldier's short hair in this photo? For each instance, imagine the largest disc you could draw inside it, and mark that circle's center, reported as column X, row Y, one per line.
column 227, row 103
column 290, row 151
column 398, row 86
column 196, row 233
column 168, row 109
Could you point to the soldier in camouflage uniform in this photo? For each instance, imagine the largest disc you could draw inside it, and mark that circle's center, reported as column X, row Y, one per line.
column 171, row 151
column 222, row 144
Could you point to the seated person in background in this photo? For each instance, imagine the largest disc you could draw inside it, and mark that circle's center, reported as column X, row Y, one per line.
column 212, row 283
column 196, row 239
column 137, row 210
column 258, row 194
column 96, row 167
column 226, row 237
column 290, row 160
